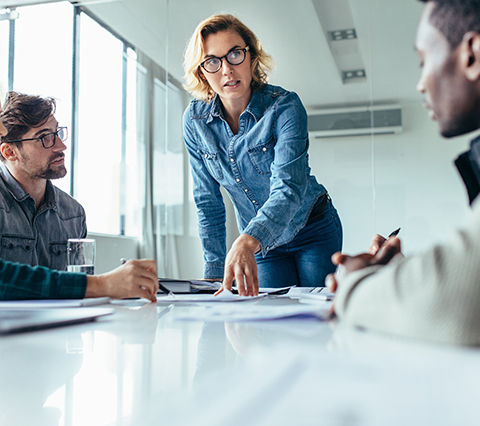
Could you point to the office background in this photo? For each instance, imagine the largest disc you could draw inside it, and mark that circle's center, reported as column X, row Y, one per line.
column 116, row 69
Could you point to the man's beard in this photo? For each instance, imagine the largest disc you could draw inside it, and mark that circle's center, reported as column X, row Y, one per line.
column 48, row 172
column 51, row 174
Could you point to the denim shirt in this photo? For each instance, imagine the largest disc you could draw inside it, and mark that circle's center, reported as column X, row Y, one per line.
column 37, row 237
column 264, row 169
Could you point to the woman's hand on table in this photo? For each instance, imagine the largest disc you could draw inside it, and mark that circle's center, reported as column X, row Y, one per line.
column 241, row 266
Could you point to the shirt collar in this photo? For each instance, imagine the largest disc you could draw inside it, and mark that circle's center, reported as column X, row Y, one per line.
column 475, row 143
column 12, row 185
column 20, row 194
column 254, row 107
column 215, row 109
column 50, row 196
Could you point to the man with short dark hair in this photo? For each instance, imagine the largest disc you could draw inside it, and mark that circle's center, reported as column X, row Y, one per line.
column 435, row 295
column 36, row 218
column 136, row 278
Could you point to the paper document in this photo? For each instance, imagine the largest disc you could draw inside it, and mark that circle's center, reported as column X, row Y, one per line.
column 224, row 296
column 316, row 297
column 236, row 313
column 296, row 292
column 53, row 303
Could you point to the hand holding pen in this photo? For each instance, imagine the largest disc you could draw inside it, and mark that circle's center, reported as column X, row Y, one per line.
column 394, row 233
column 160, row 286
column 378, row 241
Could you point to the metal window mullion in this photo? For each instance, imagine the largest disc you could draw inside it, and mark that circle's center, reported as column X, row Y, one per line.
column 123, row 161
column 75, row 101
column 11, row 53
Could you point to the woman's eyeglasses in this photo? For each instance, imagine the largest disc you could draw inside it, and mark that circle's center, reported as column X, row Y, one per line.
column 234, row 57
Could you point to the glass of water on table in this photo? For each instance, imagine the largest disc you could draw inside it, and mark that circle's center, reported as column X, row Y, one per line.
column 81, row 255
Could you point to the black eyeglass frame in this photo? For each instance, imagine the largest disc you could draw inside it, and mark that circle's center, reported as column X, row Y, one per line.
column 56, row 134
column 244, row 50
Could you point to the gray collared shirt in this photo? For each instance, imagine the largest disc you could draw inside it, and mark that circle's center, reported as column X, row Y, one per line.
column 37, row 236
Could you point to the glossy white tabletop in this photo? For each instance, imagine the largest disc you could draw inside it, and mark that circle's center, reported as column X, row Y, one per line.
column 140, row 366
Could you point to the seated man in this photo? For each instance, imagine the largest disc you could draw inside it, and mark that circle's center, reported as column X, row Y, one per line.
column 136, row 278
column 36, row 218
column 433, row 296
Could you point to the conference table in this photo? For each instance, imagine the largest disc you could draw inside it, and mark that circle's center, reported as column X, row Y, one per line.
column 156, row 364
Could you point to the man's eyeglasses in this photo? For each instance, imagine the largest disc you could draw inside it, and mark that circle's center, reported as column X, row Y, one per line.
column 49, row 139
column 234, row 57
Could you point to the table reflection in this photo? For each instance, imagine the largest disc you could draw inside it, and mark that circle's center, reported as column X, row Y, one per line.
column 31, row 371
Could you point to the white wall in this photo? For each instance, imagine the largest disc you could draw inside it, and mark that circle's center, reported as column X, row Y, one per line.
column 190, row 247
column 417, row 186
column 110, row 249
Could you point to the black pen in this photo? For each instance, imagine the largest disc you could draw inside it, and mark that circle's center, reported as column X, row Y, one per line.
column 160, row 285
column 165, row 289
column 394, row 233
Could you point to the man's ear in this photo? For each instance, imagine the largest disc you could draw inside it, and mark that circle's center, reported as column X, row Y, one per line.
column 8, row 152
column 470, row 55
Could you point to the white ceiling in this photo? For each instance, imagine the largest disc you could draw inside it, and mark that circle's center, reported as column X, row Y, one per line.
column 290, row 30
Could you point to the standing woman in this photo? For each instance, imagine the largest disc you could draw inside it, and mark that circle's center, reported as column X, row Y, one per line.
column 251, row 138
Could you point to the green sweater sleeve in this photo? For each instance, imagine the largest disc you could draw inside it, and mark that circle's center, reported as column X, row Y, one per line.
column 18, row 281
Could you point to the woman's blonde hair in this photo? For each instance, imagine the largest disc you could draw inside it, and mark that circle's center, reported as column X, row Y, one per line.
column 3, row 94
column 261, row 62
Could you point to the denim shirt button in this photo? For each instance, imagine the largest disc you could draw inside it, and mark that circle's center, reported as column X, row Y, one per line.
column 237, row 179
column 246, row 190
column 254, row 201
column 264, row 149
column 267, row 248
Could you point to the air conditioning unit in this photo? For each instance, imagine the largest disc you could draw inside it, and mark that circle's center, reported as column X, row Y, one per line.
column 356, row 121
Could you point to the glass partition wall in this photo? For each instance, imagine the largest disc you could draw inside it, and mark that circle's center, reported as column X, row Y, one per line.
column 116, row 69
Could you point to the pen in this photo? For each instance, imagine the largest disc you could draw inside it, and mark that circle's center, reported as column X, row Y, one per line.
column 165, row 289
column 160, row 285
column 394, row 233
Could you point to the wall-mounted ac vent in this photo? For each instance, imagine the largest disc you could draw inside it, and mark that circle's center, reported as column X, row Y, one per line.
column 357, row 121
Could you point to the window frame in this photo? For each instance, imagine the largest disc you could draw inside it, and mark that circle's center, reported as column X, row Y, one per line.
column 153, row 71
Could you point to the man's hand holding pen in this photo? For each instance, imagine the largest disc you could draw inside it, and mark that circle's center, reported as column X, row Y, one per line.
column 378, row 241
column 381, row 251
column 134, row 278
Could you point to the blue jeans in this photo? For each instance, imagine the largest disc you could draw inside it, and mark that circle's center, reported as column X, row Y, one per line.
column 306, row 260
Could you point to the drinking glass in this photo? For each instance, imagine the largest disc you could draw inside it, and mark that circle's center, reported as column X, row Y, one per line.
column 81, row 255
